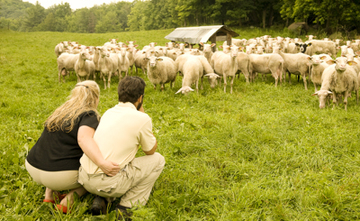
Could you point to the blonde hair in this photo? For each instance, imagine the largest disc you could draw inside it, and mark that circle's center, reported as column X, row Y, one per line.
column 84, row 97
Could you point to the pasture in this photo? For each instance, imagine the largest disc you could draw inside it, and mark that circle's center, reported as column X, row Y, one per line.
column 261, row 153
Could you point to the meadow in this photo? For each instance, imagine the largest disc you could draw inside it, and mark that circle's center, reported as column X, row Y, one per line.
column 261, row 153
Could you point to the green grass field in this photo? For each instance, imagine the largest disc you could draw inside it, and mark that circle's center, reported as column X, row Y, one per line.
column 261, row 153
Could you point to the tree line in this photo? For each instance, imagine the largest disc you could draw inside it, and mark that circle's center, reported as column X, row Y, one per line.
column 323, row 15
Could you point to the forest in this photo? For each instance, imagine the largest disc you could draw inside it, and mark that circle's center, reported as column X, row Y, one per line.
column 320, row 15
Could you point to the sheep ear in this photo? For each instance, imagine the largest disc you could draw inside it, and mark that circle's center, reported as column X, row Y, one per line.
column 179, row 90
column 316, row 93
column 323, row 58
column 329, row 92
column 159, row 59
column 330, row 62
column 352, row 63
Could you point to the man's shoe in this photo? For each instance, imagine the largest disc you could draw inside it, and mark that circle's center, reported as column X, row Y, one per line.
column 123, row 213
column 98, row 206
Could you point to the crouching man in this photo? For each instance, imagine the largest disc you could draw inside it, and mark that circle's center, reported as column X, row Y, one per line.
column 120, row 132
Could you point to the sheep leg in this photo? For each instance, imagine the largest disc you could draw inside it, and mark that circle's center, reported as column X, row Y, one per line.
column 59, row 75
column 109, row 79
column 345, row 99
column 283, row 73
column 289, row 74
column 279, row 75
column 224, row 76
column 246, row 74
column 202, row 87
column 315, row 87
column 120, row 76
column 334, row 100
column 231, row 83
column 304, row 79
column 162, row 87
column 197, row 86
column 104, row 79
column 274, row 74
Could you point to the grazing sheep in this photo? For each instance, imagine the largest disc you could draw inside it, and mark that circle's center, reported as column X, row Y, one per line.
column 161, row 70
column 266, row 63
column 60, row 48
column 297, row 64
column 66, row 62
column 243, row 64
column 192, row 71
column 318, row 65
column 341, row 79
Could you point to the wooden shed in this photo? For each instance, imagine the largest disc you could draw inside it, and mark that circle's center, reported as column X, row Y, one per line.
column 195, row 35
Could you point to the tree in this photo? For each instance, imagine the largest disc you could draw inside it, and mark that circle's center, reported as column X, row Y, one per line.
column 137, row 19
column 34, row 16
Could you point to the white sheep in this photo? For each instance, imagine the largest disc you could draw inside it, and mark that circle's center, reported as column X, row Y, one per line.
column 297, row 64
column 243, row 64
column 226, row 65
column 84, row 67
column 341, row 79
column 266, row 63
column 60, row 48
column 66, row 62
column 108, row 65
column 193, row 72
column 124, row 63
column 318, row 65
column 161, row 70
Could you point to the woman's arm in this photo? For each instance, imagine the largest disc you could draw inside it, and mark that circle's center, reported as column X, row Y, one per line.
column 90, row 148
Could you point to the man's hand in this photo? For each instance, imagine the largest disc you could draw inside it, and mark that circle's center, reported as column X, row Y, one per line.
column 142, row 108
column 110, row 168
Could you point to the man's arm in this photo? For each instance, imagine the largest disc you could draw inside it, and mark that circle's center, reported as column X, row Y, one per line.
column 152, row 151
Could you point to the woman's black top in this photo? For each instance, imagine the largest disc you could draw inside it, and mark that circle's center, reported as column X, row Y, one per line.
column 59, row 150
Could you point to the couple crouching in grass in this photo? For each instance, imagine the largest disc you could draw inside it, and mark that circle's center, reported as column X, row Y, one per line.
column 79, row 152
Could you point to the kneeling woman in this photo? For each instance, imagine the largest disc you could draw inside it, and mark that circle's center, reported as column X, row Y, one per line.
column 68, row 133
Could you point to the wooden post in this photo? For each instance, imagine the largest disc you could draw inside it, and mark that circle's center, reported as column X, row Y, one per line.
column 228, row 39
column 213, row 40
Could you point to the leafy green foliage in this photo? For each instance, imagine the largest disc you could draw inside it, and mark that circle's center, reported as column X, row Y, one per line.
column 261, row 153
column 324, row 16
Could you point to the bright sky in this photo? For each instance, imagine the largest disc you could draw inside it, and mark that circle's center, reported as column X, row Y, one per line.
column 74, row 4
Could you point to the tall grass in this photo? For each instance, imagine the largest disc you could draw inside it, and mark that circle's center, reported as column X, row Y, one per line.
column 261, row 153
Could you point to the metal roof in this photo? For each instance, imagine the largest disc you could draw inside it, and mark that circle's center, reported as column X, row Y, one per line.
column 195, row 35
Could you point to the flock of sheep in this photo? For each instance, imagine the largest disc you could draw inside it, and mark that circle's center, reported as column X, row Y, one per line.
column 263, row 55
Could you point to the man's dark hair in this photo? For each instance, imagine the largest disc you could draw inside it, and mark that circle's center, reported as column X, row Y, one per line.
column 130, row 89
